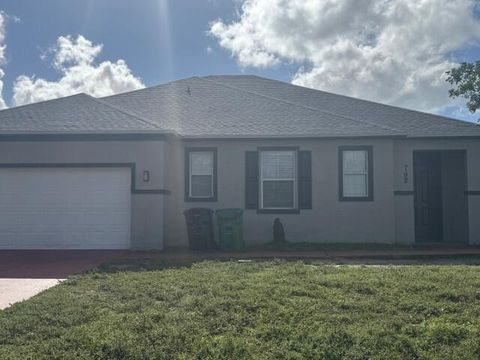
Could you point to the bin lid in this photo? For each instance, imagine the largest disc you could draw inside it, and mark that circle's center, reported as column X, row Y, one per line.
column 198, row 211
column 229, row 212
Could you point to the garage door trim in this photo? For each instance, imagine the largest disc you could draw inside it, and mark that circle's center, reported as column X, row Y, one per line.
column 130, row 165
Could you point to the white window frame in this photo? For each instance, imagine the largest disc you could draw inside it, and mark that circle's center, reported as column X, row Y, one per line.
column 295, row 179
column 190, row 174
column 365, row 173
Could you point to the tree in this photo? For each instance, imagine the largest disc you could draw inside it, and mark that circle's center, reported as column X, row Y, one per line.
column 466, row 79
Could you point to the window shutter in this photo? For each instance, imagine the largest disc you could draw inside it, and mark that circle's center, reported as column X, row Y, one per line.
column 251, row 180
column 305, row 179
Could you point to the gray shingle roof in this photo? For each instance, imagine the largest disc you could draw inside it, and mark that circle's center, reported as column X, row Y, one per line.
column 411, row 123
column 198, row 107
column 229, row 106
column 76, row 113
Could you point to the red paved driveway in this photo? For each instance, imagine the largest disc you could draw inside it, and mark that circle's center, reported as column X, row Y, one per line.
column 55, row 264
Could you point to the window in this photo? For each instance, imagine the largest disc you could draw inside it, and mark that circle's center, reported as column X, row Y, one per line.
column 201, row 175
column 356, row 181
column 278, row 177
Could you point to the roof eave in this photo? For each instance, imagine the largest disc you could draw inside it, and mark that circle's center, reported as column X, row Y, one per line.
column 443, row 137
column 287, row 137
column 85, row 135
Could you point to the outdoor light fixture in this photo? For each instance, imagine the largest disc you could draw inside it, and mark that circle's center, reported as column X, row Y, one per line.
column 405, row 175
column 146, row 176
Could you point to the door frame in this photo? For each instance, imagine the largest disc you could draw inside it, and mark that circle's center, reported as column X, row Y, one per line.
column 465, row 166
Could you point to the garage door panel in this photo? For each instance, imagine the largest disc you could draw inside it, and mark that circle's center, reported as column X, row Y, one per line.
column 53, row 218
column 6, row 200
column 119, row 218
column 9, row 239
column 8, row 220
column 97, row 218
column 65, row 208
column 31, row 219
column 71, row 218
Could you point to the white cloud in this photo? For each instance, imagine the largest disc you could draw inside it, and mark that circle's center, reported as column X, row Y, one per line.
column 75, row 60
column 70, row 52
column 3, row 47
column 392, row 51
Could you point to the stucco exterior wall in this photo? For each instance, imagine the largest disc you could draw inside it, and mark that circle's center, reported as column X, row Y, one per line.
column 158, row 221
column 404, row 203
column 175, row 234
column 454, row 204
column 328, row 221
column 147, row 208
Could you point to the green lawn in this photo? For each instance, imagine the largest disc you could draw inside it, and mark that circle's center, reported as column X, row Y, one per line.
column 251, row 310
column 311, row 246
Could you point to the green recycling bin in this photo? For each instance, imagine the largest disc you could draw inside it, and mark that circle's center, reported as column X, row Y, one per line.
column 230, row 229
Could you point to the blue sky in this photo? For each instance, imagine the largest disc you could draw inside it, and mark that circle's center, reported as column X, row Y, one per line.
column 162, row 40
column 133, row 31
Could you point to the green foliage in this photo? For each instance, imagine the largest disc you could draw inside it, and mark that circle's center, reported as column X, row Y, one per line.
column 466, row 79
column 250, row 310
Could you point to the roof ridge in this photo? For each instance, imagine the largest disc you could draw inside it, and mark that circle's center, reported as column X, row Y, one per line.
column 149, row 87
column 235, row 118
column 306, row 107
column 127, row 113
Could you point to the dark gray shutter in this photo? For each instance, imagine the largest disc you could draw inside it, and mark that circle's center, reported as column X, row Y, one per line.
column 251, row 180
column 305, row 179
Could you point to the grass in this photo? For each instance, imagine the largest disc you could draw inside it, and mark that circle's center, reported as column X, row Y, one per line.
column 311, row 246
column 250, row 310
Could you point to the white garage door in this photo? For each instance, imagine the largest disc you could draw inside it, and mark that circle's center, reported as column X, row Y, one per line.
column 65, row 208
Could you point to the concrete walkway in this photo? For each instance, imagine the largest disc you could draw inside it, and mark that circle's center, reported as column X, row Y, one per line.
column 15, row 290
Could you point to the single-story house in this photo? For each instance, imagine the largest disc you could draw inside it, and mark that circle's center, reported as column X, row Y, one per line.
column 118, row 172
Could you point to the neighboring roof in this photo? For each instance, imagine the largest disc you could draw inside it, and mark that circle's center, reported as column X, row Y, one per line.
column 229, row 107
column 79, row 113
